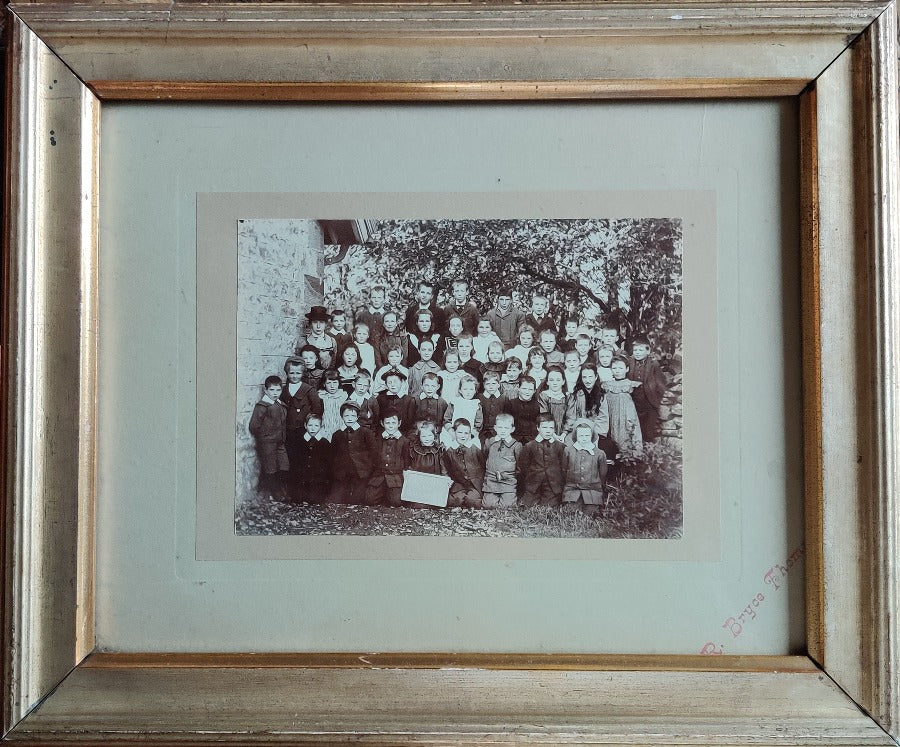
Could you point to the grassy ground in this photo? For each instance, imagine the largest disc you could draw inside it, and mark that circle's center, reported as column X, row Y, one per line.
column 644, row 502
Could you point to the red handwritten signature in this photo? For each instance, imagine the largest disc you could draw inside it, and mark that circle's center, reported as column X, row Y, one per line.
column 735, row 624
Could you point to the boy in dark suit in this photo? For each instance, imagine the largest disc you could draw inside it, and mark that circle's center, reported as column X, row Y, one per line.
column 465, row 464
column 267, row 426
column 391, row 458
column 428, row 406
column 647, row 397
column 311, row 466
column 352, row 452
column 542, row 466
column 391, row 399
column 301, row 401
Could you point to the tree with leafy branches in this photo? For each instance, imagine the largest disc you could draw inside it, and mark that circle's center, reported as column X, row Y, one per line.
column 626, row 271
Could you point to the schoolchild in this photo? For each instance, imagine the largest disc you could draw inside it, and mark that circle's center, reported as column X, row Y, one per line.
column 349, row 367
column 571, row 370
column 465, row 406
column 451, row 375
column 462, row 307
column 505, row 318
column 605, row 357
column 492, row 402
column 333, row 397
column 391, row 458
column 609, row 337
column 372, row 315
column 527, row 338
column 366, row 350
column 352, row 459
column 465, row 464
column 554, row 355
column 570, row 333
column 589, row 403
column 424, row 365
column 424, row 330
column 427, row 404
column 394, row 358
column 391, row 399
column 267, row 426
column 454, row 330
column 496, row 361
column 301, row 400
column 325, row 345
column 542, row 466
column 312, row 372
column 424, row 452
column 553, row 400
column 509, row 382
column 648, row 397
column 425, row 301
column 524, row 409
column 391, row 337
column 539, row 317
column 624, row 425
column 467, row 360
column 586, row 468
column 537, row 367
column 483, row 339
column 311, row 469
column 586, row 353
column 501, row 465
column 363, row 399
column 339, row 331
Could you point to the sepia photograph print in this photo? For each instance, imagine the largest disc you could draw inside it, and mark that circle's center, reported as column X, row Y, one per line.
column 494, row 378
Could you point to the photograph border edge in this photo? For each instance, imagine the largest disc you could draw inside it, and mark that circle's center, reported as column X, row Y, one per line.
column 30, row 673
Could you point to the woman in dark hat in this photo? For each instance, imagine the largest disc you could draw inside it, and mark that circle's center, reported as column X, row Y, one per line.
column 318, row 318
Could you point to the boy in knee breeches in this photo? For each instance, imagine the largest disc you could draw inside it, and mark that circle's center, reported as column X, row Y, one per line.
column 391, row 458
column 352, row 452
column 501, row 465
column 542, row 466
column 267, row 425
column 465, row 464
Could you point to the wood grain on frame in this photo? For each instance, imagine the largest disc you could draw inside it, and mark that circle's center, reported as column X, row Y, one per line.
column 435, row 91
column 811, row 331
column 458, row 706
column 536, row 662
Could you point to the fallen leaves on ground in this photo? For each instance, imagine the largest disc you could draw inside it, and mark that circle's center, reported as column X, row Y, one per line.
column 266, row 516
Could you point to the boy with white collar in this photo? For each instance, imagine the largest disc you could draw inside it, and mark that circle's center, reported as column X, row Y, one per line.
column 352, row 451
column 391, row 458
column 267, row 426
column 586, row 467
column 312, row 463
column 542, row 466
column 501, row 465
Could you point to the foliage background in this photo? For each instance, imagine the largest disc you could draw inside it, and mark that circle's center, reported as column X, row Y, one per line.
column 626, row 271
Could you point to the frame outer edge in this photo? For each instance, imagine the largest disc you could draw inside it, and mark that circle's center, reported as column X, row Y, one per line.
column 54, row 18
column 50, row 326
column 884, row 247
column 20, row 342
column 20, row 158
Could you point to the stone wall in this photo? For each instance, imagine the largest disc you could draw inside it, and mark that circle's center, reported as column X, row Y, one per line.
column 670, row 412
column 280, row 270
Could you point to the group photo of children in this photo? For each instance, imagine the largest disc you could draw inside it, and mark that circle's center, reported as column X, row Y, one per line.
column 495, row 378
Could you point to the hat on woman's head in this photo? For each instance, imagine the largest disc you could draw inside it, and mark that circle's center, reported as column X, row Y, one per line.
column 318, row 314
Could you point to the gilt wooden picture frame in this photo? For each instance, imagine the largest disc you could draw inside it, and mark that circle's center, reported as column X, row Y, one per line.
column 838, row 59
